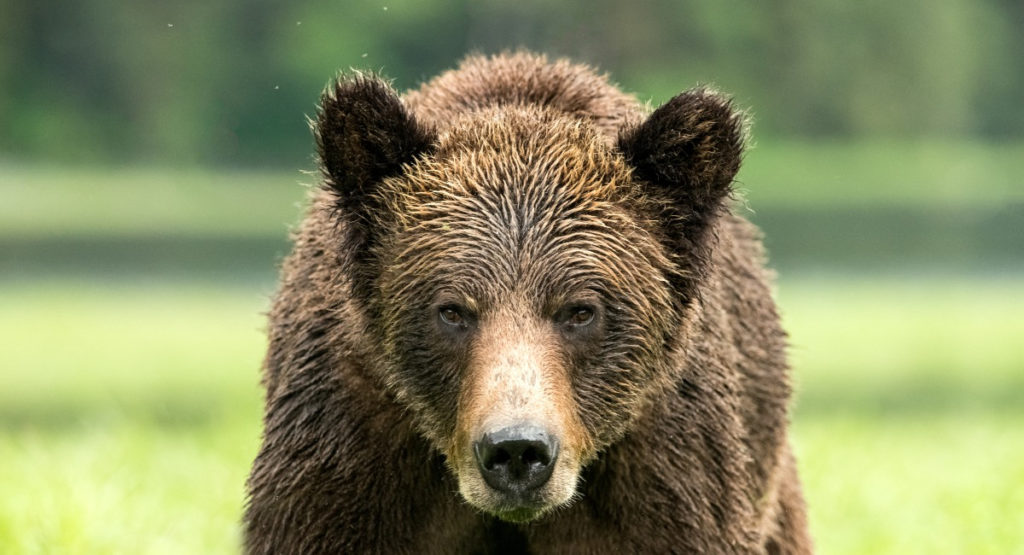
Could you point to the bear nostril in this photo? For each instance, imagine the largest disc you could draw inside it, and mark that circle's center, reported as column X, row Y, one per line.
column 530, row 456
column 500, row 457
column 516, row 459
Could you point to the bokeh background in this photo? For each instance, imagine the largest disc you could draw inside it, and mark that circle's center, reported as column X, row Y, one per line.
column 151, row 165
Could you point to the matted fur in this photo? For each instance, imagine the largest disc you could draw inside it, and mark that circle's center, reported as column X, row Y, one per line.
column 514, row 187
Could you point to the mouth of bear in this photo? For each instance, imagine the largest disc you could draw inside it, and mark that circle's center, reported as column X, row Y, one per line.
column 517, row 473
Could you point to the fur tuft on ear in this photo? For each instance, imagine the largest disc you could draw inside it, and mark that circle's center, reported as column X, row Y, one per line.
column 687, row 154
column 690, row 148
column 364, row 134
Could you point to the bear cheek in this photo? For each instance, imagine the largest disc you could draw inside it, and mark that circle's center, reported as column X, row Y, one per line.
column 633, row 367
column 426, row 378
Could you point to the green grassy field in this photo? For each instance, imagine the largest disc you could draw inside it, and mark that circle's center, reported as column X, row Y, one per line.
column 131, row 301
column 104, row 201
column 129, row 414
column 909, row 413
column 127, row 417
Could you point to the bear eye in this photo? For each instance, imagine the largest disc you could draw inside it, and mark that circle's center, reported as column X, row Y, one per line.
column 581, row 316
column 452, row 315
column 577, row 316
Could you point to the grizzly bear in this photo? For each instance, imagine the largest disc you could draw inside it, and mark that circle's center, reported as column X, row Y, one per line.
column 521, row 317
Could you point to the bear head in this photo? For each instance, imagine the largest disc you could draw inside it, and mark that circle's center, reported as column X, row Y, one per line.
column 527, row 283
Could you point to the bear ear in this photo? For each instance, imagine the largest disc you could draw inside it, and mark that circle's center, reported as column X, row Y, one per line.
column 687, row 154
column 689, row 151
column 364, row 134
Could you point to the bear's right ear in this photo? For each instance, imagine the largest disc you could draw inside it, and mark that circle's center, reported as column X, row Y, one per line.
column 363, row 135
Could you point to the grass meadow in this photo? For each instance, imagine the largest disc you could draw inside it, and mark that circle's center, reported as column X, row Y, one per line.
column 130, row 404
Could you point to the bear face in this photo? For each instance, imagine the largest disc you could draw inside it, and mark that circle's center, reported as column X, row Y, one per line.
column 528, row 283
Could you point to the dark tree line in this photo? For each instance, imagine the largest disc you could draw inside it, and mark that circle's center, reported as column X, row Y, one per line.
column 229, row 82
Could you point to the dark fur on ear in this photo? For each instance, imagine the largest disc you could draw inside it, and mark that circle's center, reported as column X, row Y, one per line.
column 364, row 134
column 687, row 153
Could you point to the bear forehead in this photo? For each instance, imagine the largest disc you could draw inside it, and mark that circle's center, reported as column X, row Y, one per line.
column 508, row 249
column 510, row 170
column 516, row 198
column 511, row 166
column 508, row 149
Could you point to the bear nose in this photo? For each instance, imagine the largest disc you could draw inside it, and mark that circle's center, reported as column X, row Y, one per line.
column 516, row 459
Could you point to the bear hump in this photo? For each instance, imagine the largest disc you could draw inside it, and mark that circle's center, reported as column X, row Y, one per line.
column 523, row 78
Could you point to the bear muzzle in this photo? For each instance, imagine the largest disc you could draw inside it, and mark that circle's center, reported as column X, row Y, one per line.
column 517, row 470
column 516, row 460
column 518, row 444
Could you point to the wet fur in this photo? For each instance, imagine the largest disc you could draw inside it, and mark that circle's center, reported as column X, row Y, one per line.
column 487, row 180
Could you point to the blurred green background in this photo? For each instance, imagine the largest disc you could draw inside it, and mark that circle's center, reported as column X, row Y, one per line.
column 151, row 164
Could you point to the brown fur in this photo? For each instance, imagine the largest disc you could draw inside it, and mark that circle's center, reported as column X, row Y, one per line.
column 514, row 188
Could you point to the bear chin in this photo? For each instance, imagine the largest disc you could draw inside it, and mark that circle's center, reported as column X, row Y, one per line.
column 518, row 511
column 519, row 508
column 524, row 513
column 520, row 515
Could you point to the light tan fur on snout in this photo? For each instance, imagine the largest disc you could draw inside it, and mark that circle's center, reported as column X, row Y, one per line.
column 518, row 376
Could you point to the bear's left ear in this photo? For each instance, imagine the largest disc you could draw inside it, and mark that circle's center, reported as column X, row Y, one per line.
column 364, row 134
column 687, row 154
column 689, row 149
